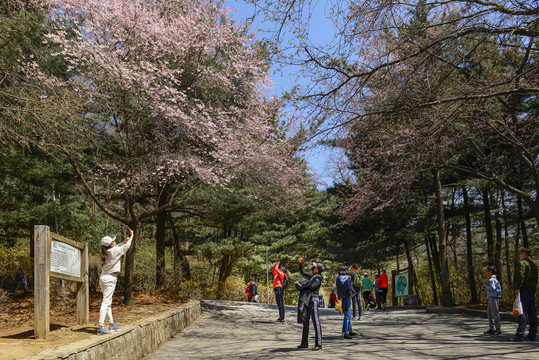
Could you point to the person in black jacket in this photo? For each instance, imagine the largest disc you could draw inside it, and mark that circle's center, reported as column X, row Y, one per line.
column 356, row 299
column 253, row 291
column 525, row 283
column 308, row 304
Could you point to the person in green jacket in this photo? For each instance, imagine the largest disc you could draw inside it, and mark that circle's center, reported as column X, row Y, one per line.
column 366, row 289
column 525, row 284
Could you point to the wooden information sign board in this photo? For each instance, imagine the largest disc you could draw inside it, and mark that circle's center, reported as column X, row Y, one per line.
column 61, row 258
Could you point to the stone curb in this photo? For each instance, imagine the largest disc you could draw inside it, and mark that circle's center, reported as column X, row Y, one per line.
column 406, row 307
column 133, row 342
column 504, row 316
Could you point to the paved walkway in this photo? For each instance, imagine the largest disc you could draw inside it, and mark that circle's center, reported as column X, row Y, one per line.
column 233, row 330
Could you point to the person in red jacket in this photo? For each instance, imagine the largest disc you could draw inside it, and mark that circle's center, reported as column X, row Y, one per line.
column 252, row 291
column 247, row 292
column 279, row 274
column 382, row 288
column 332, row 299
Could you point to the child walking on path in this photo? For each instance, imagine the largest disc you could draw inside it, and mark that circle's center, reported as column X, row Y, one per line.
column 321, row 303
column 494, row 293
column 112, row 259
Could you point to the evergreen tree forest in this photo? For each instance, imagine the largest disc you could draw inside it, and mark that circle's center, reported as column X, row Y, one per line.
column 156, row 116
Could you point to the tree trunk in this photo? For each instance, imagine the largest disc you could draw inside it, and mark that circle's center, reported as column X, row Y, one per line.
column 453, row 231
column 469, row 248
column 516, row 256
column 522, row 222
column 130, row 267
column 535, row 209
column 160, row 251
column 179, row 259
column 31, row 242
column 431, row 272
column 499, row 241
column 411, row 272
column 436, row 258
column 160, row 223
column 452, row 244
column 447, row 297
column 224, row 271
column 398, row 263
column 488, row 228
column 506, row 240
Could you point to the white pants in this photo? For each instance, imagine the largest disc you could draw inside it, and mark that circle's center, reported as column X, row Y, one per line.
column 107, row 284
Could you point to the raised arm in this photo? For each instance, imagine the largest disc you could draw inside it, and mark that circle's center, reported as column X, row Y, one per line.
column 275, row 267
column 302, row 272
column 129, row 237
column 126, row 244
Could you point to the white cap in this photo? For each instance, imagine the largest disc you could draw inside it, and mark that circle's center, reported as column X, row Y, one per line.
column 107, row 240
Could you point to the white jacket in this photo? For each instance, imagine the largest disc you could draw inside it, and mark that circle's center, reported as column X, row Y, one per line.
column 114, row 259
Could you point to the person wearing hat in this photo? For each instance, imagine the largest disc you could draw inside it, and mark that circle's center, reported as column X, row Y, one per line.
column 308, row 304
column 111, row 255
column 279, row 274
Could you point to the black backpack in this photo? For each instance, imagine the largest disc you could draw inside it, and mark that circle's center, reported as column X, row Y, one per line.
column 285, row 282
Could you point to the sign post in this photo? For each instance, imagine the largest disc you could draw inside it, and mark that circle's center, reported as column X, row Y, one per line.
column 42, row 264
column 61, row 258
column 401, row 285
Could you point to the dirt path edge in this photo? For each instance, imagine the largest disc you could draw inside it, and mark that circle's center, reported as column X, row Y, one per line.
column 132, row 343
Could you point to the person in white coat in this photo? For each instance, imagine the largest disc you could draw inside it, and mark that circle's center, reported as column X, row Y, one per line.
column 111, row 254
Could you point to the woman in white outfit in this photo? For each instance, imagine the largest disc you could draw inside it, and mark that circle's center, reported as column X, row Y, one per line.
column 111, row 255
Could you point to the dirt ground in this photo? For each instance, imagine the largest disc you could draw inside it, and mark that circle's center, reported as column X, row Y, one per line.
column 17, row 338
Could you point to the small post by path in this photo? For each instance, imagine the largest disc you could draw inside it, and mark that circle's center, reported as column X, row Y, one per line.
column 42, row 265
column 394, row 299
column 267, row 274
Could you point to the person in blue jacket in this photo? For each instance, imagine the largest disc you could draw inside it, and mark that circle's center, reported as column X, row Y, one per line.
column 321, row 302
column 345, row 291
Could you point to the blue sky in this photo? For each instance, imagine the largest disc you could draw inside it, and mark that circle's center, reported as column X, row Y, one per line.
column 285, row 78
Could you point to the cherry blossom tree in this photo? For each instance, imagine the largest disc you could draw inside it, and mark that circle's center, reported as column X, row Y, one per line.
column 413, row 87
column 466, row 67
column 160, row 95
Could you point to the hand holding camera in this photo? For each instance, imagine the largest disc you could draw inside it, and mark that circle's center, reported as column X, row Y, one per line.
column 130, row 235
